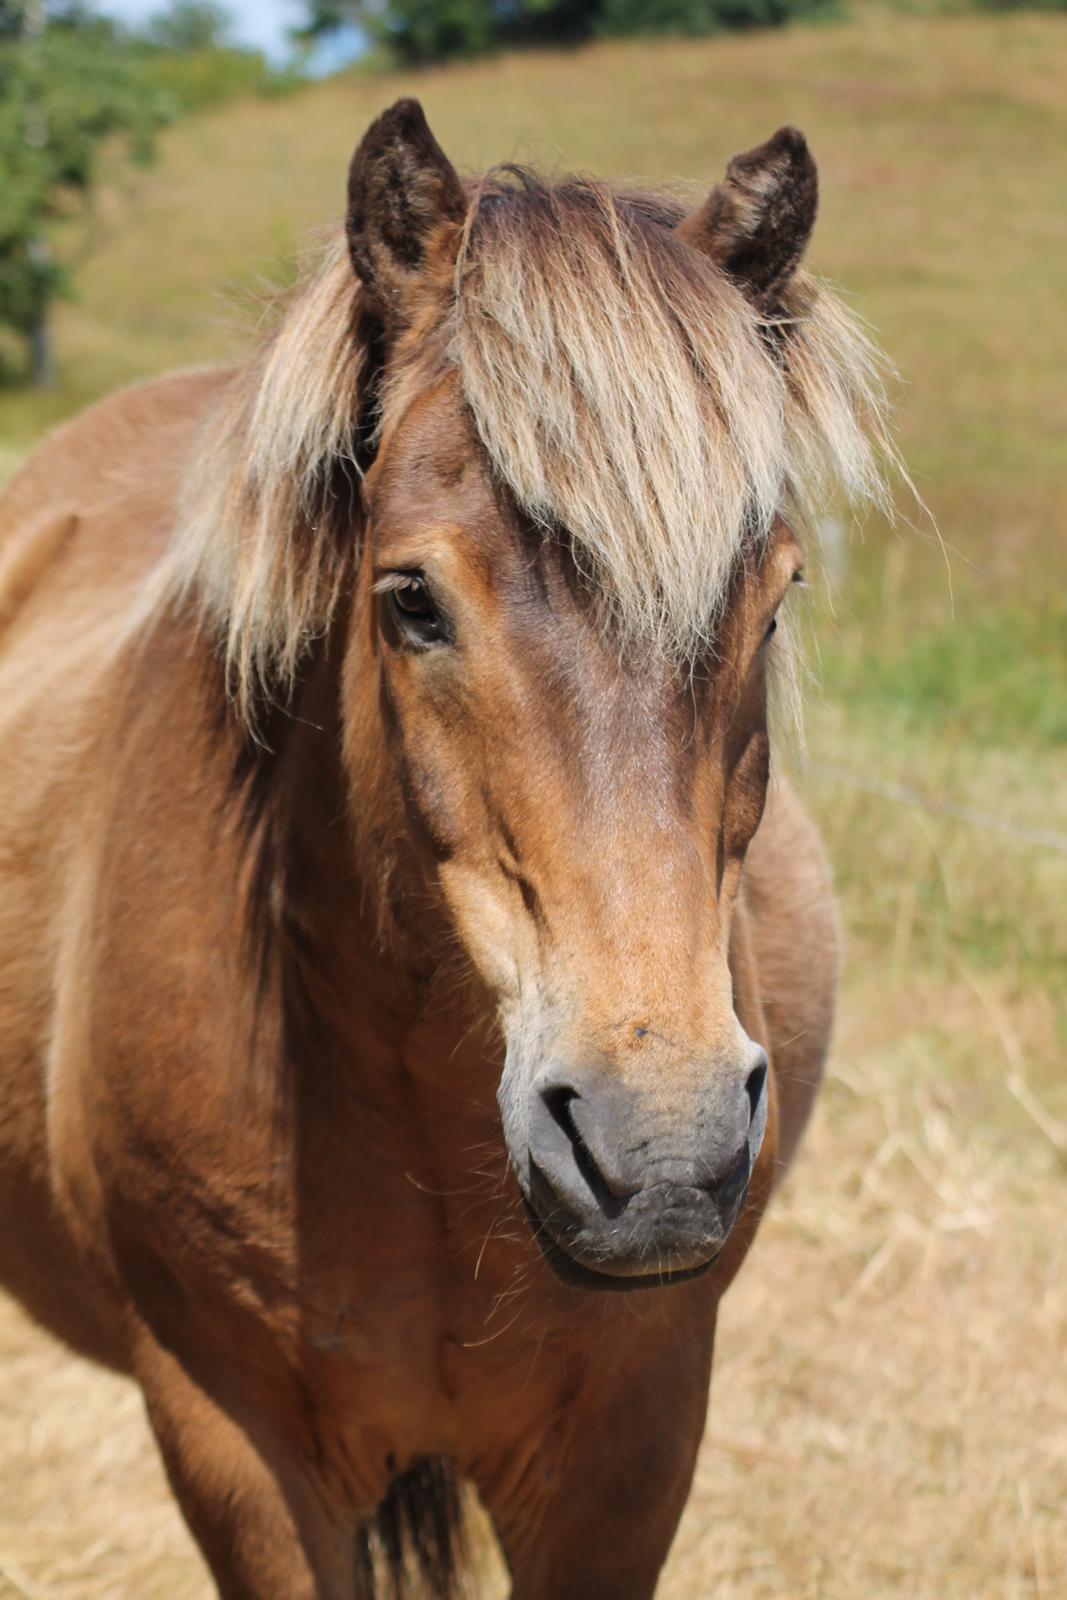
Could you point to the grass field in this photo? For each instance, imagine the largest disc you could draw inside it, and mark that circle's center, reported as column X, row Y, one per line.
column 890, row 1402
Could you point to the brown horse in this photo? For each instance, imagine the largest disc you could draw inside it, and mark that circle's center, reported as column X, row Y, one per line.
column 392, row 955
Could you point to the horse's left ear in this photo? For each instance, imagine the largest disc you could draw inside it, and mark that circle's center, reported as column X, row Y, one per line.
column 401, row 189
column 756, row 223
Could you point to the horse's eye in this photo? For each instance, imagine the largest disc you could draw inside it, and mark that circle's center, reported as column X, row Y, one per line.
column 415, row 611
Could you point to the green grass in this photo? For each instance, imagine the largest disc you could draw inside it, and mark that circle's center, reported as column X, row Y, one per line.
column 994, row 676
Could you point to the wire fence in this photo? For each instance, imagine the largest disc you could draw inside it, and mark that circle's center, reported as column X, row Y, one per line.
column 903, row 794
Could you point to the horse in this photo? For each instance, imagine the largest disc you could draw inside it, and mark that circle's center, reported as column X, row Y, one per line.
column 405, row 945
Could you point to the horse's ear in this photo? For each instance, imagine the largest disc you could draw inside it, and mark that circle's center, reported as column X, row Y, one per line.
column 756, row 223
column 401, row 189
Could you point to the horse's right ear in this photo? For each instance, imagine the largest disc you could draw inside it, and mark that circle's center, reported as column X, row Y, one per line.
column 402, row 189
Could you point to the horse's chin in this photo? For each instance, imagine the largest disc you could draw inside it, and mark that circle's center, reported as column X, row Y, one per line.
column 576, row 1275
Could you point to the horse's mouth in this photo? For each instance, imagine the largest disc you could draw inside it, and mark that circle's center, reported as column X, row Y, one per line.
column 577, row 1275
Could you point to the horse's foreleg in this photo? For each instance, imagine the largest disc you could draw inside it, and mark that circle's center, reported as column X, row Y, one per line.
column 596, row 1506
column 257, row 1522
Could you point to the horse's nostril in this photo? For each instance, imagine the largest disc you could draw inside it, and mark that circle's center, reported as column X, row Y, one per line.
column 558, row 1101
column 755, row 1084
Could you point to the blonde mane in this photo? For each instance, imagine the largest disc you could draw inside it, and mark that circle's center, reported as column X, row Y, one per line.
column 627, row 393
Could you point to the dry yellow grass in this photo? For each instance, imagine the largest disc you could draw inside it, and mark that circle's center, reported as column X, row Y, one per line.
column 889, row 1415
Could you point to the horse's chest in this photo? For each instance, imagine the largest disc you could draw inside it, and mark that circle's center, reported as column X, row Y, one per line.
column 337, row 1246
column 398, row 1377
column 434, row 1333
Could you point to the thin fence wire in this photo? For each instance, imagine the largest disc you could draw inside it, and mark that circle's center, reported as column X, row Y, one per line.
column 902, row 794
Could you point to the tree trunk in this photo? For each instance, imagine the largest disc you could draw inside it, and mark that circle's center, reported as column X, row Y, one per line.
column 41, row 354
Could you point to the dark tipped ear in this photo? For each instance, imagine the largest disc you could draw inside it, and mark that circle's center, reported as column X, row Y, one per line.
column 401, row 188
column 756, row 223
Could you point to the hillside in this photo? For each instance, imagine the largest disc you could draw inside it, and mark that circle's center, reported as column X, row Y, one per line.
column 890, row 1415
column 939, row 145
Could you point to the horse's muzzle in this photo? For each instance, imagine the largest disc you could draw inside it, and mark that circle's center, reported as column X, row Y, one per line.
column 625, row 1192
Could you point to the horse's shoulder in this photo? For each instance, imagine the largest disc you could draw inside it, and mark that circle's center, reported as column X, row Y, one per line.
column 794, row 947
column 787, row 846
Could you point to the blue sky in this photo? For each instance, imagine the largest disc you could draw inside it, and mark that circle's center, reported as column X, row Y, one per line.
column 263, row 24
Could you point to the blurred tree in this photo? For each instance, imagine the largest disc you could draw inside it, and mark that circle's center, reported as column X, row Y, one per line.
column 190, row 25
column 706, row 16
column 432, row 30
column 20, row 16
column 321, row 16
column 64, row 90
